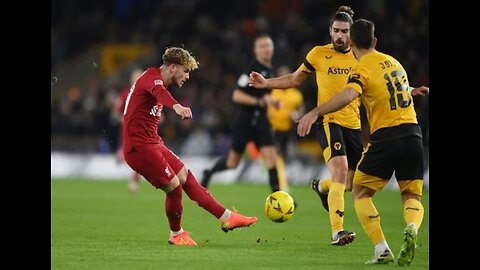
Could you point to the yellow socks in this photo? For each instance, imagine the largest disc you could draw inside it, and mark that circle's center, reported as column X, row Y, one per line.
column 336, row 204
column 282, row 178
column 370, row 219
column 413, row 212
column 325, row 185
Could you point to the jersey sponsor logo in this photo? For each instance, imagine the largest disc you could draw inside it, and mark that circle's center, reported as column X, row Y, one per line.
column 156, row 110
column 328, row 56
column 338, row 70
column 243, row 80
column 158, row 82
column 337, row 146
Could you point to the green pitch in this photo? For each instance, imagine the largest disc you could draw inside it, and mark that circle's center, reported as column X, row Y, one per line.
column 99, row 225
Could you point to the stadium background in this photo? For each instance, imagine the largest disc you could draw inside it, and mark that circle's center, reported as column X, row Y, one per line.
column 100, row 225
column 95, row 44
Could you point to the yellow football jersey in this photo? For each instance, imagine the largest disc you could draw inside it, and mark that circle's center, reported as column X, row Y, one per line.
column 332, row 69
column 385, row 92
column 290, row 99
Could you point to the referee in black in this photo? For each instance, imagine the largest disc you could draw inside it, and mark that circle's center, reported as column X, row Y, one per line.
column 251, row 121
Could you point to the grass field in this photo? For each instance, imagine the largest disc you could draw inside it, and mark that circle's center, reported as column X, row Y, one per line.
column 99, row 225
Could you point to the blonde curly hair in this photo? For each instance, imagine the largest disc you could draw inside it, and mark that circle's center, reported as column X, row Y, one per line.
column 176, row 55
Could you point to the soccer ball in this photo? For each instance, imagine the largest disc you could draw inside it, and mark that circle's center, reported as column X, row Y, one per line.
column 279, row 206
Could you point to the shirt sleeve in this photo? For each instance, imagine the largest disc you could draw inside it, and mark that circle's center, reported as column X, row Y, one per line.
column 358, row 79
column 162, row 95
column 308, row 64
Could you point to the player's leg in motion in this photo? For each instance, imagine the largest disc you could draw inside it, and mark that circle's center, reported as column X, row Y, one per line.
column 230, row 220
column 370, row 220
column 135, row 178
column 269, row 155
column 411, row 190
column 134, row 181
column 224, row 163
column 331, row 139
column 413, row 214
column 354, row 149
column 338, row 169
column 241, row 136
column 322, row 187
column 174, row 210
column 281, row 139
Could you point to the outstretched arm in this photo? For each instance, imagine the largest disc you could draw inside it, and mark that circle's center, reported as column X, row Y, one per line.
column 291, row 80
column 243, row 98
column 337, row 102
column 422, row 91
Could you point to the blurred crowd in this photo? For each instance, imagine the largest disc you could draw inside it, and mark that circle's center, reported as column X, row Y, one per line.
column 220, row 34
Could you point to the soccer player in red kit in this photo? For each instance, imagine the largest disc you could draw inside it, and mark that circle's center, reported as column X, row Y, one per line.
column 119, row 108
column 146, row 153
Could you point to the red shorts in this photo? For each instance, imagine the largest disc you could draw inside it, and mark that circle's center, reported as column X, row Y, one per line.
column 154, row 161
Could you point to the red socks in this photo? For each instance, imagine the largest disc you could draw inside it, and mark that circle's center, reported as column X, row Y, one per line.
column 198, row 194
column 201, row 196
column 174, row 208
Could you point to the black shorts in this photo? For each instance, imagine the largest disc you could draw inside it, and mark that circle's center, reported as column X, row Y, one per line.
column 337, row 140
column 404, row 156
column 251, row 126
column 281, row 141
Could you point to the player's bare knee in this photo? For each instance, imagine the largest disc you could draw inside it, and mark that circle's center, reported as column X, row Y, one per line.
column 270, row 163
column 233, row 159
column 359, row 192
column 339, row 174
column 182, row 175
column 173, row 184
column 269, row 155
column 338, row 168
column 232, row 163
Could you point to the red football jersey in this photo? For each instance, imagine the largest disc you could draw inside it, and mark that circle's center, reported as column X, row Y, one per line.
column 143, row 107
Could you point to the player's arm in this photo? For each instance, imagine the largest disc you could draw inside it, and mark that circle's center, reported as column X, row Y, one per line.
column 337, row 102
column 291, row 80
column 242, row 98
column 164, row 97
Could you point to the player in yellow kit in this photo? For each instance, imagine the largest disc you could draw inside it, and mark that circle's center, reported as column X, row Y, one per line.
column 339, row 133
column 395, row 140
column 281, row 118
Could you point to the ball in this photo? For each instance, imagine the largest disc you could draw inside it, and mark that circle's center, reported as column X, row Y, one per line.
column 279, row 206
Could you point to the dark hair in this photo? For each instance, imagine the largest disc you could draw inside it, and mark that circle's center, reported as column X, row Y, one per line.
column 362, row 33
column 343, row 14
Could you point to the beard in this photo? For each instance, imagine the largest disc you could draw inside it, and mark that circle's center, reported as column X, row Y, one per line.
column 177, row 82
column 340, row 45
